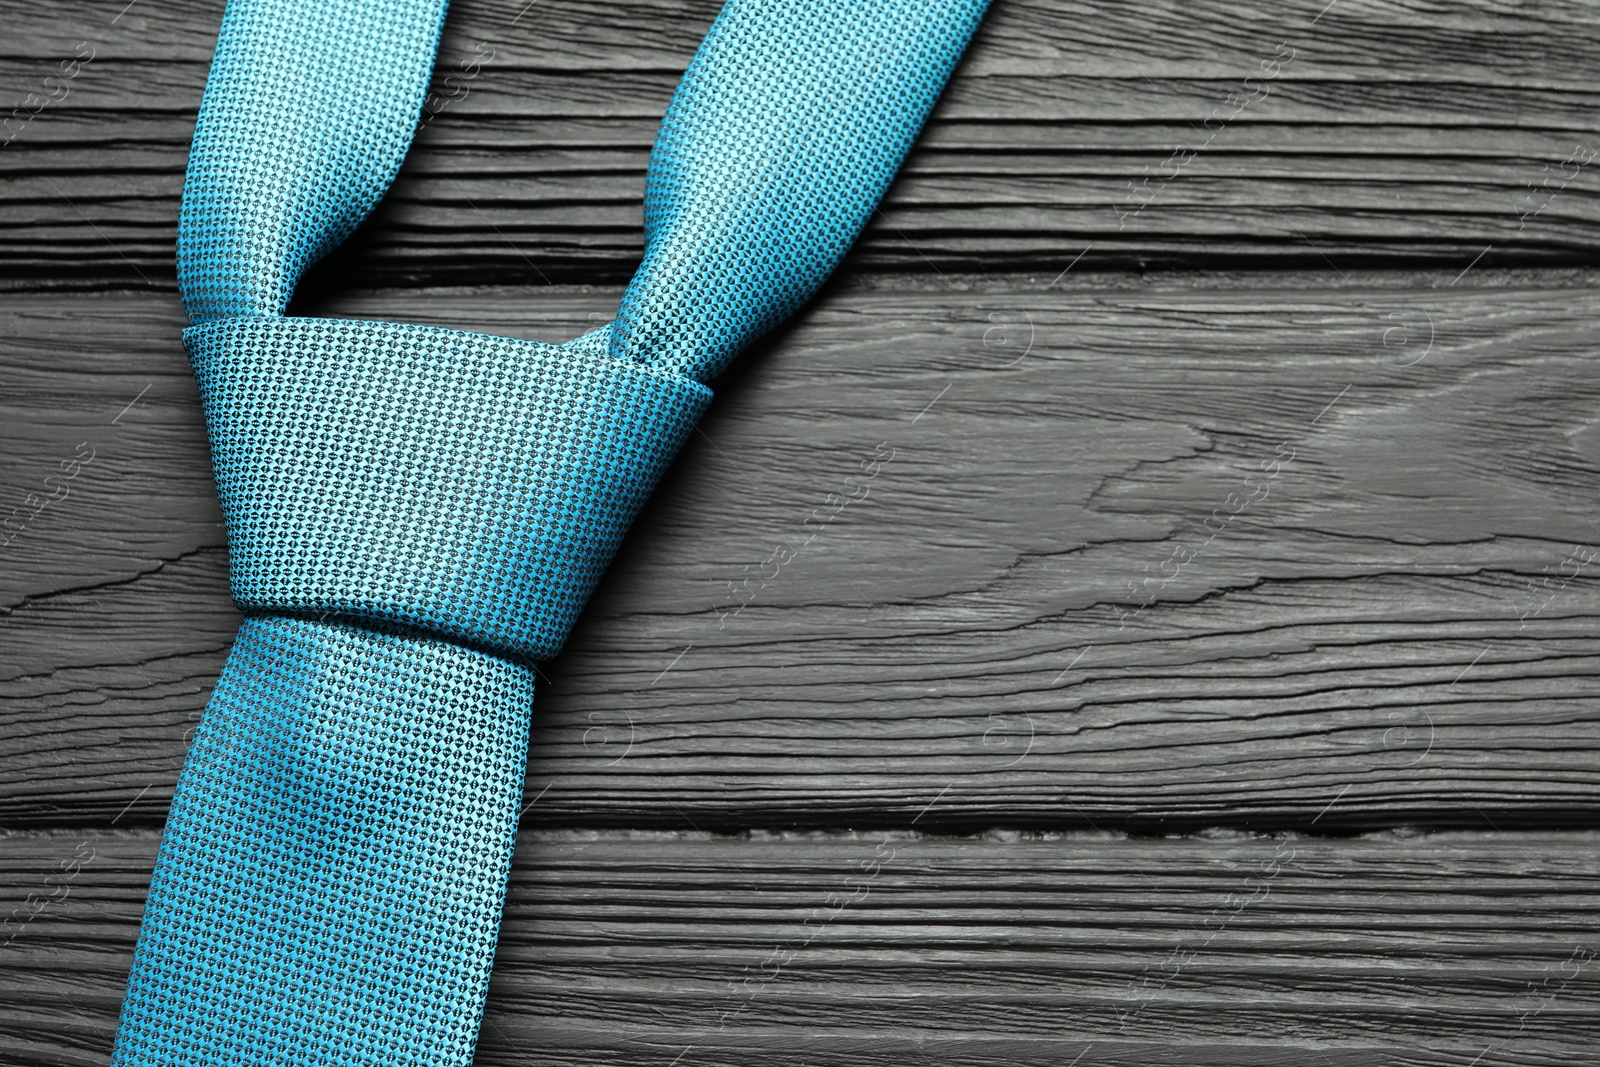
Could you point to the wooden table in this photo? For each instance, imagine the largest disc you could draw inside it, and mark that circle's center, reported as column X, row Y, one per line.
column 1207, row 676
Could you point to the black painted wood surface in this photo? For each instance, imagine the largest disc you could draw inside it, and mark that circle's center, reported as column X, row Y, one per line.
column 891, row 947
column 1181, row 133
column 1264, row 509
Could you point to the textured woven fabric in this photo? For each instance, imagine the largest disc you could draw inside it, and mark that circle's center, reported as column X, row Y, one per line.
column 414, row 512
column 307, row 115
column 787, row 129
column 331, row 876
column 472, row 486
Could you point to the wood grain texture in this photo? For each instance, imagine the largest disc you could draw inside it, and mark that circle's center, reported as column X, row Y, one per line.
column 630, row 948
column 977, row 542
column 1373, row 131
column 1139, row 555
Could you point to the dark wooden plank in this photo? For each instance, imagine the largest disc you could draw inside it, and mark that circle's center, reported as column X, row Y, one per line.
column 629, row 948
column 1385, row 132
column 1398, row 625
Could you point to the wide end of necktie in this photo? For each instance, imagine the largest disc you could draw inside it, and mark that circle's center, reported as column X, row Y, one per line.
column 414, row 514
column 333, row 869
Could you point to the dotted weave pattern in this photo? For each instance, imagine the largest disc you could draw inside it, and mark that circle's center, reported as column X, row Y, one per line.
column 333, row 870
column 468, row 485
column 308, row 111
column 413, row 512
column 783, row 136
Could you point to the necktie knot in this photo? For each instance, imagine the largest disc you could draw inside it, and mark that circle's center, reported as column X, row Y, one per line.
column 470, row 486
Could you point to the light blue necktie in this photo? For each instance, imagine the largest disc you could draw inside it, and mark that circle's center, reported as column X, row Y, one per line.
column 415, row 514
